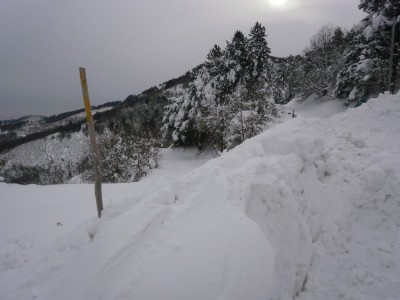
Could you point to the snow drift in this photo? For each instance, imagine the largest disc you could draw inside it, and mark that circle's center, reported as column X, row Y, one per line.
column 310, row 209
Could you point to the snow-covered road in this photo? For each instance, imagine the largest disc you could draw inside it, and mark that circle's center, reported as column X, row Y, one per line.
column 310, row 209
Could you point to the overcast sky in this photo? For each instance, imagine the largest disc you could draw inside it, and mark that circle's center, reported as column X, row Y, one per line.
column 128, row 46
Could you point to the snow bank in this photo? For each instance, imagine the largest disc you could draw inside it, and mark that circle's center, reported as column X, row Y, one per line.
column 315, row 106
column 310, row 209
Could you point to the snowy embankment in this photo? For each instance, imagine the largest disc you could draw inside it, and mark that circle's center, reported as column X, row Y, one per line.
column 310, row 209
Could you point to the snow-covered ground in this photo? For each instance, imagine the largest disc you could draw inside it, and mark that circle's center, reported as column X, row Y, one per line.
column 314, row 106
column 51, row 149
column 310, row 209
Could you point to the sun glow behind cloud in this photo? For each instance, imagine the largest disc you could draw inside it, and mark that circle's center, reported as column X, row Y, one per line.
column 283, row 4
column 278, row 3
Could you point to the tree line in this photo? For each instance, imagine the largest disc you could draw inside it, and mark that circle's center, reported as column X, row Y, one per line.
column 232, row 95
column 227, row 100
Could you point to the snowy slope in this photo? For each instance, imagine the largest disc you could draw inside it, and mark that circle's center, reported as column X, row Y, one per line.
column 310, row 209
column 51, row 149
column 315, row 106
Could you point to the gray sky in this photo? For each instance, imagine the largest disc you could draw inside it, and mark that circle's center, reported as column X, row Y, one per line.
column 128, row 46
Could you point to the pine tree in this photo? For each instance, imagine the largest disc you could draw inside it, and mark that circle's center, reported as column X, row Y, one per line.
column 214, row 63
column 353, row 80
column 247, row 104
column 178, row 119
column 226, row 102
column 258, row 53
column 388, row 8
column 235, row 62
column 366, row 70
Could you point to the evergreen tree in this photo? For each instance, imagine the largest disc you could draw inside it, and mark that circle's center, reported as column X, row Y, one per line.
column 388, row 8
column 353, row 80
column 235, row 62
column 258, row 53
column 179, row 122
column 366, row 70
column 248, row 104
column 214, row 63
column 226, row 102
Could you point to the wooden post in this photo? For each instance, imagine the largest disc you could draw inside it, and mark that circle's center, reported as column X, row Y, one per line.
column 93, row 144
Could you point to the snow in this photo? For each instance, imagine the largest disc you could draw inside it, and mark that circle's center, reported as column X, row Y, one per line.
column 353, row 94
column 309, row 209
column 314, row 106
column 52, row 148
column 377, row 23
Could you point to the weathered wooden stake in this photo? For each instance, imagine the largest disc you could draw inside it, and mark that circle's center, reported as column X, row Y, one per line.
column 93, row 144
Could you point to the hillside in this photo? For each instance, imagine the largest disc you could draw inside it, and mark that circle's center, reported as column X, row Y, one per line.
column 308, row 209
column 53, row 150
column 30, row 128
